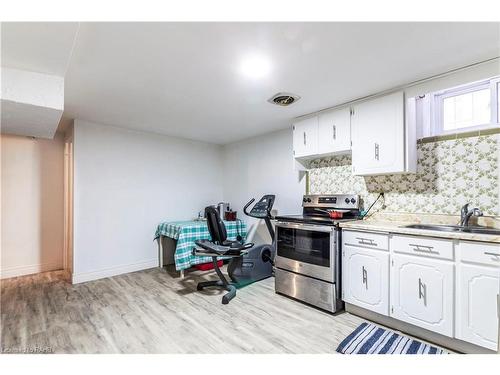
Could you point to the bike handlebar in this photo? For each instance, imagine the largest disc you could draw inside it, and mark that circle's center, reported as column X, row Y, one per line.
column 247, row 205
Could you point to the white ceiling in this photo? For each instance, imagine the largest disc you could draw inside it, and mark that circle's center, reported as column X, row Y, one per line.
column 32, row 103
column 184, row 79
column 40, row 47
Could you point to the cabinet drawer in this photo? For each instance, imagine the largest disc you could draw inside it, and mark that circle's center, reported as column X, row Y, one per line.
column 423, row 246
column 479, row 252
column 366, row 239
column 316, row 292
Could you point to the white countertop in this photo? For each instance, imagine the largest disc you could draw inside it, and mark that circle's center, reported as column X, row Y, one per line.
column 374, row 225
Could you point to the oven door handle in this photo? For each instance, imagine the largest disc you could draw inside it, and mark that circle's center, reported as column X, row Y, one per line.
column 314, row 228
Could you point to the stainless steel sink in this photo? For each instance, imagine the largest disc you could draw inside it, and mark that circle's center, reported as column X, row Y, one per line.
column 444, row 228
column 455, row 228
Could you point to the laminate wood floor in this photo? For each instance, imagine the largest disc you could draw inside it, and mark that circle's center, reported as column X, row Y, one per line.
column 153, row 311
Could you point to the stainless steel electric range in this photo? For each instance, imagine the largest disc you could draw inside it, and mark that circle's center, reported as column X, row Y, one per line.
column 308, row 250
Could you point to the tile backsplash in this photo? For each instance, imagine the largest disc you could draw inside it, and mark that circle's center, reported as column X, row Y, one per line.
column 449, row 174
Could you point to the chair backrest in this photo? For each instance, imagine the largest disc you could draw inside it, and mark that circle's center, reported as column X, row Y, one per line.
column 216, row 226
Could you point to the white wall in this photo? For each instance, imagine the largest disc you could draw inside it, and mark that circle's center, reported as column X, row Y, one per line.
column 263, row 165
column 125, row 183
column 32, row 205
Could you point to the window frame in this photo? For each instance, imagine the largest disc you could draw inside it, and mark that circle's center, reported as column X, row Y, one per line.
column 437, row 104
column 495, row 99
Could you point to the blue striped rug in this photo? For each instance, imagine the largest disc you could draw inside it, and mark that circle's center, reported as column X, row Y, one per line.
column 371, row 339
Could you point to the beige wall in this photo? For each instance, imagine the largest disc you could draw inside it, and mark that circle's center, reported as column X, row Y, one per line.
column 32, row 206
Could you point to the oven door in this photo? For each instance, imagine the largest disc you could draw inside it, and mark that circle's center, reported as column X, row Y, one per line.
column 306, row 249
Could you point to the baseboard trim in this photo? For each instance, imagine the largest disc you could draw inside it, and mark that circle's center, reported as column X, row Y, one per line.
column 9, row 272
column 113, row 271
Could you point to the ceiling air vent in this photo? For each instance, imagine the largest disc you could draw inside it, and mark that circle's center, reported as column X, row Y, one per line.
column 284, row 99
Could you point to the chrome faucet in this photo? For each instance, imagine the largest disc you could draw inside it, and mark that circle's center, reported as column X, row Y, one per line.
column 465, row 214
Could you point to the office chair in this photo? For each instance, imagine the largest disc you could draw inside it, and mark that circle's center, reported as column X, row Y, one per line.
column 219, row 246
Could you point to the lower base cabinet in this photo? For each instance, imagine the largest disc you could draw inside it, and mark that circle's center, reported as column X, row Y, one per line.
column 366, row 278
column 445, row 286
column 422, row 292
column 477, row 319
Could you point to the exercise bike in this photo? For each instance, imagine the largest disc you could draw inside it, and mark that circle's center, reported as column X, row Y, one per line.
column 257, row 264
column 248, row 263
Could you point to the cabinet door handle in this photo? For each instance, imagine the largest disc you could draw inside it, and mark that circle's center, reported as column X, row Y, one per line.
column 305, row 139
column 419, row 246
column 365, row 277
column 334, row 132
column 377, row 151
column 422, row 291
column 424, row 249
column 366, row 241
column 492, row 254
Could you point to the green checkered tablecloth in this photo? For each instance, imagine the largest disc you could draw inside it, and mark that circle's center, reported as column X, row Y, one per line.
column 186, row 232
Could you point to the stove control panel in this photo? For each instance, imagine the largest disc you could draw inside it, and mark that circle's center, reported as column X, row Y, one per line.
column 339, row 201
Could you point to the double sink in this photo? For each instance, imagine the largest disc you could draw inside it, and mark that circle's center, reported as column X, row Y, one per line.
column 455, row 228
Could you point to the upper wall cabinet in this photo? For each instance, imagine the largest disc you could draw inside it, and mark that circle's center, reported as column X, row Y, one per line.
column 325, row 134
column 305, row 137
column 382, row 142
column 334, row 131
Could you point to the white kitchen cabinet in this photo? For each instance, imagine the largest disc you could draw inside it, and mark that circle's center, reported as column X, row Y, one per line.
column 478, row 287
column 305, row 137
column 382, row 142
column 365, row 280
column 422, row 292
column 334, row 131
column 446, row 286
column 477, row 319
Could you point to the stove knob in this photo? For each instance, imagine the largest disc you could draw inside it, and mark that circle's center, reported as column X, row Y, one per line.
column 309, row 200
column 353, row 200
column 347, row 200
column 304, row 200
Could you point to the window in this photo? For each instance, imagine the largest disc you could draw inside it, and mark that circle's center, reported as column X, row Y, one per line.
column 498, row 100
column 469, row 107
column 466, row 110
